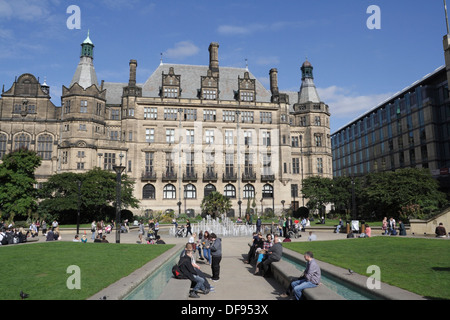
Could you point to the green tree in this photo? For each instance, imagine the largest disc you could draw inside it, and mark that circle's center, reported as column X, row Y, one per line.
column 215, row 204
column 318, row 192
column 17, row 180
column 386, row 193
column 97, row 194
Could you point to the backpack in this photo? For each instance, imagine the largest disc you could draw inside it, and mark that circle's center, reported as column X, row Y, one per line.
column 177, row 273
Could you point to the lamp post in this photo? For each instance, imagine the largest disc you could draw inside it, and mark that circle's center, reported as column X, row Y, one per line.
column 301, row 163
column 79, row 206
column 118, row 169
column 238, row 161
column 180, row 111
column 353, row 200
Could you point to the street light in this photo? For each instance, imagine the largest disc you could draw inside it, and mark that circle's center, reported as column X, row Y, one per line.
column 118, row 169
column 238, row 161
column 79, row 205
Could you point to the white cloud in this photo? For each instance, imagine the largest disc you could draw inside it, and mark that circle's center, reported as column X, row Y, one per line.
column 182, row 50
column 264, row 61
column 26, row 10
column 344, row 103
column 240, row 30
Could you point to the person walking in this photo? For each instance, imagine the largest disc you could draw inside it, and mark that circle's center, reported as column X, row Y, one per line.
column 216, row 256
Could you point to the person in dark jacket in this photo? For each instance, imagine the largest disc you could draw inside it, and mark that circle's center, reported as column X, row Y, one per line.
column 273, row 255
column 189, row 271
column 216, row 256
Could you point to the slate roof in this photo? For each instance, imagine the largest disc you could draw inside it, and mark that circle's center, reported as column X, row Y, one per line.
column 190, row 83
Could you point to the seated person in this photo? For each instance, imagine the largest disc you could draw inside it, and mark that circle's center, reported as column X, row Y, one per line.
column 188, row 270
column 50, row 235
column 287, row 239
column 440, row 231
column 309, row 279
column 159, row 240
column 262, row 252
column 274, row 254
column 339, row 226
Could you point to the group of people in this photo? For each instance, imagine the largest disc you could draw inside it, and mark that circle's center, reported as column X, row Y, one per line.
column 263, row 252
column 389, row 227
column 209, row 247
column 152, row 232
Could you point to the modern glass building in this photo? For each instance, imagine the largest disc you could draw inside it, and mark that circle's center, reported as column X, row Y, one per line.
column 410, row 129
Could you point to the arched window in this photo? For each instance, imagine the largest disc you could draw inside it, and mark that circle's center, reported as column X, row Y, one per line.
column 45, row 144
column 169, row 192
column 229, row 191
column 3, row 142
column 190, row 192
column 22, row 141
column 249, row 191
column 148, row 192
column 267, row 191
column 209, row 188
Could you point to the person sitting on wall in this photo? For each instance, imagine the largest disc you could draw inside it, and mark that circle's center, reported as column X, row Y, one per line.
column 440, row 231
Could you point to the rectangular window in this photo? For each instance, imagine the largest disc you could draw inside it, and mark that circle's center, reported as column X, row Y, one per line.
column 67, row 107
column 266, row 138
column 150, row 135
column 247, row 138
column 229, row 137
column 131, row 112
column 229, row 164
column 319, row 165
column 115, row 114
column 109, row 161
column 190, row 136
column 295, row 165
column 170, row 135
column 170, row 113
column 80, row 154
column 247, row 96
column 82, row 127
column 150, row 113
column 209, row 136
column 169, row 163
column 65, row 157
column 266, row 117
column 190, row 114
column 114, row 135
column 170, row 92
column 229, row 116
column 149, row 162
column 80, row 165
column 294, row 142
column 317, row 121
column 209, row 115
column 247, row 116
column 99, row 109
column 83, row 106
column 209, row 94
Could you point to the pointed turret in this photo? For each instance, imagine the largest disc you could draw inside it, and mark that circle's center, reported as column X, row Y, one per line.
column 308, row 92
column 85, row 74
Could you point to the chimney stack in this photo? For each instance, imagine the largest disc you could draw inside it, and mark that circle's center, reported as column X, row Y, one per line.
column 133, row 66
column 214, row 58
column 273, row 81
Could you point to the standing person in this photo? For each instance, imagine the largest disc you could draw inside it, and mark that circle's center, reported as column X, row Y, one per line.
column 188, row 227
column 384, row 226
column 206, row 243
column 280, row 226
column 44, row 227
column 401, row 228
column 216, row 256
column 309, row 279
column 100, row 228
column 93, row 225
column 141, row 231
column 258, row 224
column 392, row 230
column 156, row 228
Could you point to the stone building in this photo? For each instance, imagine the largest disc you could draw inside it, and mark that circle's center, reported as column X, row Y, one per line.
column 185, row 132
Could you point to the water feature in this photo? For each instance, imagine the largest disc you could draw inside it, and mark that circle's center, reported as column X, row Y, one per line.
column 346, row 290
column 152, row 287
column 223, row 227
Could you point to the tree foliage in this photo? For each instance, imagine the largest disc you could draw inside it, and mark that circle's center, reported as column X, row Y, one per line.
column 215, row 204
column 318, row 191
column 17, row 180
column 94, row 191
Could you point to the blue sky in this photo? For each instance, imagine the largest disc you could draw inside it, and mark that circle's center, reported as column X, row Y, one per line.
column 355, row 68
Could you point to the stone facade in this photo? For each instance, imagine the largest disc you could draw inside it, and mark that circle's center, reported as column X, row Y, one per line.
column 186, row 131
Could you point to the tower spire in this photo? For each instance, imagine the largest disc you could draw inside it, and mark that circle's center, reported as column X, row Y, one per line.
column 446, row 16
column 85, row 74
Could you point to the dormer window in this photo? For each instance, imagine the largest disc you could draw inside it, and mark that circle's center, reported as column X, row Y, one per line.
column 171, row 84
column 247, row 89
column 210, row 87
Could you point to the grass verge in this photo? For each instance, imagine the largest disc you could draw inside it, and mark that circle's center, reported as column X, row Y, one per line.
column 421, row 266
column 41, row 269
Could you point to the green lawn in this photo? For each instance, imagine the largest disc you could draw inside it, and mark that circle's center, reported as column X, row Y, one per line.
column 41, row 269
column 421, row 266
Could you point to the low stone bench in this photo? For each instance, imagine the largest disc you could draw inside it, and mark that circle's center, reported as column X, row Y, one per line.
column 176, row 289
column 284, row 272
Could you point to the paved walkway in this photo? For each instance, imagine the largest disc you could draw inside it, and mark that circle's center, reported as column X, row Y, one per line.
column 237, row 281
